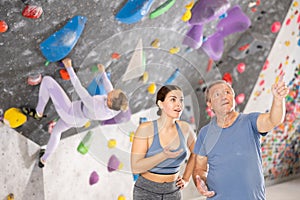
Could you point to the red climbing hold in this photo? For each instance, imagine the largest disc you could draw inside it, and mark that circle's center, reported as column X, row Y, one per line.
column 3, row 26
column 33, row 12
column 275, row 27
column 227, row 77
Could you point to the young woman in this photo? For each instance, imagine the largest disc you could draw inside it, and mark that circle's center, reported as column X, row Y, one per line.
column 160, row 148
column 75, row 113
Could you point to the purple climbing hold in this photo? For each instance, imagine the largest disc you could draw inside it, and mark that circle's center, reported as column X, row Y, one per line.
column 205, row 11
column 94, row 178
column 194, row 37
column 236, row 21
column 113, row 163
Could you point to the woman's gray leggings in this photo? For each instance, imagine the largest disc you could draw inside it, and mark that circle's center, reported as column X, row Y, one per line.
column 145, row 189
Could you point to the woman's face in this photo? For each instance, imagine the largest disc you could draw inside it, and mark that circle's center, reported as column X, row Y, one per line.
column 173, row 104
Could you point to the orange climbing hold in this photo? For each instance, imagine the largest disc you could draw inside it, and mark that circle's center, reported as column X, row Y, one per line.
column 64, row 74
column 3, row 26
column 115, row 56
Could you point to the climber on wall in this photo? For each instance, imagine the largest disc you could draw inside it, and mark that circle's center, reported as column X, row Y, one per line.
column 76, row 113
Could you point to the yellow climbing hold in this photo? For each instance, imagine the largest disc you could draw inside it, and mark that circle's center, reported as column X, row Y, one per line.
column 14, row 118
column 190, row 5
column 152, row 88
column 145, row 77
column 10, row 196
column 186, row 16
column 87, row 124
column 155, row 43
column 131, row 135
column 112, row 143
column 287, row 43
column 121, row 165
column 121, row 197
column 174, row 50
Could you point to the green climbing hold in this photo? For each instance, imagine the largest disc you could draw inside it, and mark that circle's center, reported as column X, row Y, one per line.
column 162, row 9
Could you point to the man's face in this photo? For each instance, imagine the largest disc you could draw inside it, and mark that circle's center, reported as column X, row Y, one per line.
column 221, row 98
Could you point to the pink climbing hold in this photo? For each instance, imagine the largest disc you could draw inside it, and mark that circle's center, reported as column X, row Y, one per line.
column 113, row 163
column 266, row 65
column 241, row 67
column 275, row 27
column 240, row 98
column 34, row 79
column 94, row 178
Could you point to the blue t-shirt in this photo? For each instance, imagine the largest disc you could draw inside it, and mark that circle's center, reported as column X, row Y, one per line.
column 234, row 158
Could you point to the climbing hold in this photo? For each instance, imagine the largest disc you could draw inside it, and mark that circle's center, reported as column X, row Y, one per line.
column 190, row 5
column 275, row 27
column 88, row 124
column 115, row 56
column 266, row 65
column 287, row 43
column 47, row 63
column 60, row 43
column 209, row 65
column 113, row 163
column 14, row 118
column 241, row 67
column 3, row 26
column 186, row 16
column 10, row 196
column 134, row 11
column 51, row 125
column 209, row 112
column 240, row 98
column 174, row 50
column 121, row 197
column 236, row 21
column 152, row 88
column 85, row 143
column 136, row 66
column 112, row 143
column 194, row 37
column 172, row 77
column 227, row 77
column 131, row 136
column 94, row 178
column 32, row 12
column 64, row 74
column 162, row 9
column 155, row 43
column 145, row 77
column 205, row 11
column 34, row 79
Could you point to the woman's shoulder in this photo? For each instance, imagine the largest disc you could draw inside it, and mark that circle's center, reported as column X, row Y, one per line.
column 184, row 126
column 145, row 128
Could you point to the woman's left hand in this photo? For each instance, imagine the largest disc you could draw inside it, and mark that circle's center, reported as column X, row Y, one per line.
column 181, row 183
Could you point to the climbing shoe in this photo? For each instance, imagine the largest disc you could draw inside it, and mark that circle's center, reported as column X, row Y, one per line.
column 31, row 113
column 40, row 164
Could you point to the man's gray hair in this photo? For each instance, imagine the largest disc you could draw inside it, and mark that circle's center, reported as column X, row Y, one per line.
column 213, row 84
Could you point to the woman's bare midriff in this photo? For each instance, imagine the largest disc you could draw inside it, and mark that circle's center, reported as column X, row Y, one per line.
column 160, row 178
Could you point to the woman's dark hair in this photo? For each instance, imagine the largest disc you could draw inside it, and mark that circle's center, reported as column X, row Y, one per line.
column 162, row 93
